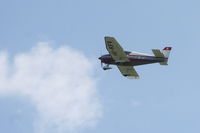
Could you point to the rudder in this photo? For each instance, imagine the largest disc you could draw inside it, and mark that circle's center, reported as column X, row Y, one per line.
column 166, row 51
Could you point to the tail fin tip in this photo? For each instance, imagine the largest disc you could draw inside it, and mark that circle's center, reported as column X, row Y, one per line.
column 167, row 48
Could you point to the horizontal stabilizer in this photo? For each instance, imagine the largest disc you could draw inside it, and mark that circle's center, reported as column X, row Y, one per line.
column 158, row 53
column 163, row 63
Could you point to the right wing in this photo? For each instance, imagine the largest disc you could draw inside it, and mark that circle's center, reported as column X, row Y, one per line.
column 128, row 71
column 115, row 50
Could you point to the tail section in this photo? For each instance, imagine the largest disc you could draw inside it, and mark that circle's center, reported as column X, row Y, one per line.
column 162, row 54
column 166, row 51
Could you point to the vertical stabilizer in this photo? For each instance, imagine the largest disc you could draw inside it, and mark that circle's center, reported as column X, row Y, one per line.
column 166, row 51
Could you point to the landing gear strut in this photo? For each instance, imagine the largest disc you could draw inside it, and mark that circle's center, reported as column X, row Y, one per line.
column 106, row 67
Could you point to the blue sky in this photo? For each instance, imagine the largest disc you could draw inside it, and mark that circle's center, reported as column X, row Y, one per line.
column 164, row 99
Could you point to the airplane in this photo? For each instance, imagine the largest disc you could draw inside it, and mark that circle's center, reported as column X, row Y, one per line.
column 126, row 60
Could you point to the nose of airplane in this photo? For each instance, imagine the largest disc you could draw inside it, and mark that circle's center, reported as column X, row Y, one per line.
column 100, row 58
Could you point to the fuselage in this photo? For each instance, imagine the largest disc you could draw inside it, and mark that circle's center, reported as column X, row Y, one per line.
column 135, row 59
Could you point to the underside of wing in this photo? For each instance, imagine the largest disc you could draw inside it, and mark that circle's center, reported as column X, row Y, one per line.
column 128, row 71
column 115, row 50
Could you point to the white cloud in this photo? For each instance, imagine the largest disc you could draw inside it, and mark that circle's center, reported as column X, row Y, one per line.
column 59, row 82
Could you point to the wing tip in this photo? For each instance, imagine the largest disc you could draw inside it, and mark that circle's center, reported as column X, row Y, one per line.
column 132, row 77
column 108, row 37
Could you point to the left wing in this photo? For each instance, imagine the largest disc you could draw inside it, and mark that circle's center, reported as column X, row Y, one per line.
column 115, row 50
column 128, row 71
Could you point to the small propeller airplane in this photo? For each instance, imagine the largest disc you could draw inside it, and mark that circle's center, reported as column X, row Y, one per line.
column 126, row 60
